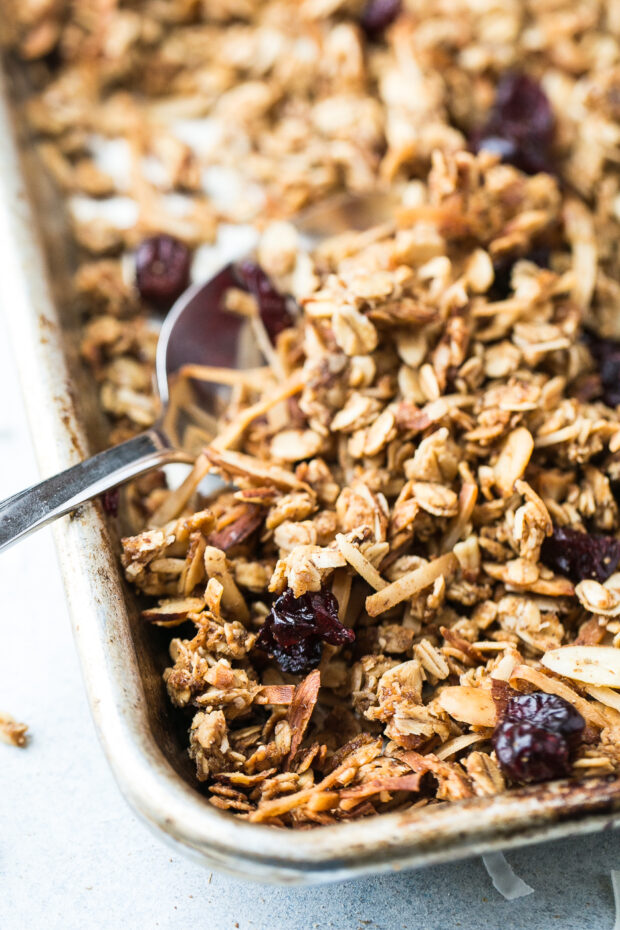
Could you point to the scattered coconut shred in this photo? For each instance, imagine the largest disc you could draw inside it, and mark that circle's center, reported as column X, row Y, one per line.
column 418, row 524
column 615, row 884
column 504, row 878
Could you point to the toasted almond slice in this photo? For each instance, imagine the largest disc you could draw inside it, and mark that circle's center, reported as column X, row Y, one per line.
column 467, row 501
column 594, row 665
column 218, row 567
column 469, row 705
column 411, row 583
column 173, row 612
column 300, row 711
column 275, row 694
column 597, row 598
column 605, row 696
column 513, row 460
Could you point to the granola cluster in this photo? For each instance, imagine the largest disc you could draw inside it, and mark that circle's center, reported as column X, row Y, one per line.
column 421, row 435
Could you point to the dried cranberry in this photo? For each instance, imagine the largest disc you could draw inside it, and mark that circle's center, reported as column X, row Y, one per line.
column 520, row 125
column 162, row 270
column 378, row 15
column 580, row 555
column 295, row 627
column 548, row 711
column 502, row 268
column 527, row 753
column 298, row 659
column 606, row 353
column 272, row 304
column 109, row 501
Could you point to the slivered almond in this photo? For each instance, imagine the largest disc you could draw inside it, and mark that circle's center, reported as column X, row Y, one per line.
column 594, row 665
column 469, row 705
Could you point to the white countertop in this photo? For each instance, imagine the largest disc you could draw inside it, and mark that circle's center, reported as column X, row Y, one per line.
column 73, row 856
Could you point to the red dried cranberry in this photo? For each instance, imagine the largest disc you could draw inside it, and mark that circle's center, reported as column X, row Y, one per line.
column 548, row 711
column 520, row 125
column 378, row 15
column 606, row 353
column 580, row 555
column 272, row 304
column 162, row 270
column 295, row 627
column 109, row 501
column 527, row 753
column 300, row 658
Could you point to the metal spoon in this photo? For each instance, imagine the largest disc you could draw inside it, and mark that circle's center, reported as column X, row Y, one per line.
column 197, row 330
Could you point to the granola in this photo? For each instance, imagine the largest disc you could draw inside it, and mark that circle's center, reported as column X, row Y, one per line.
column 360, row 601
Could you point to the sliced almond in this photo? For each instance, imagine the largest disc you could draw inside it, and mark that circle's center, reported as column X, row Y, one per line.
column 513, row 460
column 469, row 705
column 275, row 694
column 173, row 612
column 605, row 696
column 594, row 665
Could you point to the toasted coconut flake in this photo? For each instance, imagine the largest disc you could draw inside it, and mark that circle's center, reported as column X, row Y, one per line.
column 458, row 743
column 231, row 435
column 229, row 376
column 410, row 584
column 12, row 732
column 360, row 563
column 237, row 463
column 178, row 499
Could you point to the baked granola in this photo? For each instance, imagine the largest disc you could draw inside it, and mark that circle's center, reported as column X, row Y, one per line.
column 389, row 568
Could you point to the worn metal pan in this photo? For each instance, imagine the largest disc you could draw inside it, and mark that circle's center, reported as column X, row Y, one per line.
column 122, row 662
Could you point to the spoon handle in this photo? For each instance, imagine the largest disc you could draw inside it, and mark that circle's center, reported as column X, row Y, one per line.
column 35, row 506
